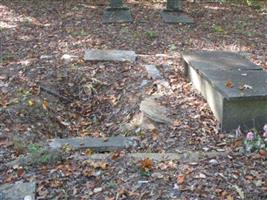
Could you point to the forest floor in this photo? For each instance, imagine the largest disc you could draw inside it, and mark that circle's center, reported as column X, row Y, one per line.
column 48, row 91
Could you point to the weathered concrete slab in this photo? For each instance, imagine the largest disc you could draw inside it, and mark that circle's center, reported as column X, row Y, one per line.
column 155, row 111
column 18, row 191
column 235, row 89
column 122, row 15
column 109, row 55
column 245, row 84
column 187, row 156
column 176, row 17
column 153, row 72
column 96, row 144
column 219, row 60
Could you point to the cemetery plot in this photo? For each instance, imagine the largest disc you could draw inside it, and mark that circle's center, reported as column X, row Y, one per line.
column 234, row 87
column 49, row 94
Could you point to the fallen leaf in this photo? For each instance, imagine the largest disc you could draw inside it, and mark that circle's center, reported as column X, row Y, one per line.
column 146, row 164
column 180, row 179
column 20, row 172
column 229, row 197
column 89, row 152
column 30, row 103
column 155, row 134
column 249, row 177
column 239, row 191
column 229, row 84
column 116, row 155
column 56, row 183
column 45, row 104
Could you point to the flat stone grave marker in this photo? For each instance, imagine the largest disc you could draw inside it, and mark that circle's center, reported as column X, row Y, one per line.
column 18, row 191
column 174, row 14
column 95, row 144
column 218, row 59
column 235, row 88
column 109, row 55
column 117, row 13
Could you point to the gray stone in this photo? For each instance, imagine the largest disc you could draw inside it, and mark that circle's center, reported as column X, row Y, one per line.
column 109, row 55
column 174, row 4
column 186, row 156
column 155, row 111
column 245, row 102
column 96, row 144
column 222, row 60
column 121, row 15
column 176, row 17
column 152, row 72
column 18, row 191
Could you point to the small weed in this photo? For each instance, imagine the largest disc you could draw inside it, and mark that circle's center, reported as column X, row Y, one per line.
column 82, row 32
column 34, row 148
column 218, row 29
column 45, row 156
column 151, row 35
column 124, row 30
column 172, row 47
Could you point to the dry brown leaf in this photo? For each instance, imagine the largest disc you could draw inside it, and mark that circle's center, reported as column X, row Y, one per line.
column 229, row 84
column 229, row 197
column 116, row 155
column 180, row 179
column 146, row 164
column 20, row 172
column 56, row 183
column 45, row 104
column 89, row 152
column 155, row 134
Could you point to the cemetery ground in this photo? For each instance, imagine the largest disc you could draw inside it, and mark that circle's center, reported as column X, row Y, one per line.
column 48, row 90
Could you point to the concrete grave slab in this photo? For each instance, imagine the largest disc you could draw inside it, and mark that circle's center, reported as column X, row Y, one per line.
column 18, row 191
column 244, row 103
column 219, row 60
column 153, row 72
column 96, row 144
column 155, row 111
column 176, row 17
column 109, row 55
column 186, row 156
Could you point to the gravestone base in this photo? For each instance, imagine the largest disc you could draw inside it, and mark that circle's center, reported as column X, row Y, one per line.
column 176, row 17
column 117, row 15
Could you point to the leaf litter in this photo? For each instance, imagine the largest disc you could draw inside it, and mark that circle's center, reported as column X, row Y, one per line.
column 48, row 91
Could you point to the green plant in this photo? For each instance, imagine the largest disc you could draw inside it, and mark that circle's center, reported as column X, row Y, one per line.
column 172, row 47
column 218, row 29
column 151, row 35
column 34, row 148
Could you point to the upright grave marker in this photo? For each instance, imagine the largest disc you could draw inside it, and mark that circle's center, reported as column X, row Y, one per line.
column 117, row 13
column 174, row 14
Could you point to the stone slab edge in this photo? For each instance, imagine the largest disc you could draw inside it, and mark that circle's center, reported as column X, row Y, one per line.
column 95, row 144
column 188, row 156
column 109, row 55
column 205, row 77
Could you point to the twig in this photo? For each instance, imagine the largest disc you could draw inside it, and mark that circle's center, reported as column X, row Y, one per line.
column 62, row 98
